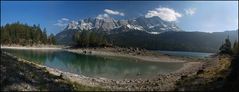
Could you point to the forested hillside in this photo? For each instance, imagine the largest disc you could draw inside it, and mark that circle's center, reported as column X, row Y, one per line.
column 86, row 38
column 24, row 34
column 180, row 41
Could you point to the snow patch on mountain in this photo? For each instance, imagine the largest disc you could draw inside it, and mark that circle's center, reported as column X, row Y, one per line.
column 134, row 27
column 72, row 25
column 107, row 24
column 154, row 33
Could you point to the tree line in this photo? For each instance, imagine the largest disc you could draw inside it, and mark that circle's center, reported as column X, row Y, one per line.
column 24, row 34
column 227, row 48
column 231, row 81
column 179, row 41
column 189, row 41
column 87, row 38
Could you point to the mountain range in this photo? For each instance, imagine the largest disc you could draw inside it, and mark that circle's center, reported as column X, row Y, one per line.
column 110, row 25
column 150, row 33
column 154, row 25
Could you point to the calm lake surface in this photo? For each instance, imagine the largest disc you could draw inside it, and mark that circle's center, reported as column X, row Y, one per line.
column 96, row 66
column 187, row 54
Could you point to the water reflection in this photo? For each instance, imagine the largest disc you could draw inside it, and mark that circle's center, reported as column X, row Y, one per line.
column 187, row 54
column 96, row 66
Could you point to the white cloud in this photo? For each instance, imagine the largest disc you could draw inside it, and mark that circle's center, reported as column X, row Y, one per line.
column 62, row 22
column 190, row 11
column 65, row 19
column 109, row 12
column 112, row 12
column 165, row 14
column 102, row 16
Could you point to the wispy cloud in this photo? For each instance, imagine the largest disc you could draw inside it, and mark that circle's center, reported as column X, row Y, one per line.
column 190, row 11
column 165, row 14
column 102, row 16
column 65, row 19
column 112, row 12
column 62, row 22
column 109, row 12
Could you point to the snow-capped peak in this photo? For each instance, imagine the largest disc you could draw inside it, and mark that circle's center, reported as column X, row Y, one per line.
column 134, row 27
column 154, row 25
column 72, row 25
column 85, row 25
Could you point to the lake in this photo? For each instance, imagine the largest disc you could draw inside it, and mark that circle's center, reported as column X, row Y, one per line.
column 96, row 66
column 187, row 54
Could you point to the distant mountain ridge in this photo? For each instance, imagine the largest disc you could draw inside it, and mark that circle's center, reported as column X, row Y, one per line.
column 150, row 33
column 110, row 25
column 154, row 25
column 66, row 37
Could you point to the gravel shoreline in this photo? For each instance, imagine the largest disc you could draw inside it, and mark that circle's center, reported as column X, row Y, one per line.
column 143, row 56
column 42, row 48
column 20, row 75
column 165, row 82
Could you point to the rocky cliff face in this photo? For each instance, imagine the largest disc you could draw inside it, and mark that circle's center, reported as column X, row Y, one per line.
column 154, row 24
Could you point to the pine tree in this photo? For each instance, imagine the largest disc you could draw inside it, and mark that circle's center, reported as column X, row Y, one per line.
column 226, row 47
column 44, row 36
column 23, row 34
column 51, row 39
column 89, row 38
column 235, row 47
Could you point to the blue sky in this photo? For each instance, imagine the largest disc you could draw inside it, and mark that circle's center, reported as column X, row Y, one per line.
column 204, row 16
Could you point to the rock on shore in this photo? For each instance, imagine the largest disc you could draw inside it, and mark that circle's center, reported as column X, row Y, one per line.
column 30, row 76
column 18, row 75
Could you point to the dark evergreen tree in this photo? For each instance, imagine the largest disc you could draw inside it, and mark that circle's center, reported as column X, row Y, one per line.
column 44, row 36
column 226, row 48
column 23, row 34
column 86, row 38
column 235, row 48
column 51, row 39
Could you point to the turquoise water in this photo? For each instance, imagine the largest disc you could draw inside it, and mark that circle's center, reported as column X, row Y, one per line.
column 187, row 54
column 96, row 66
